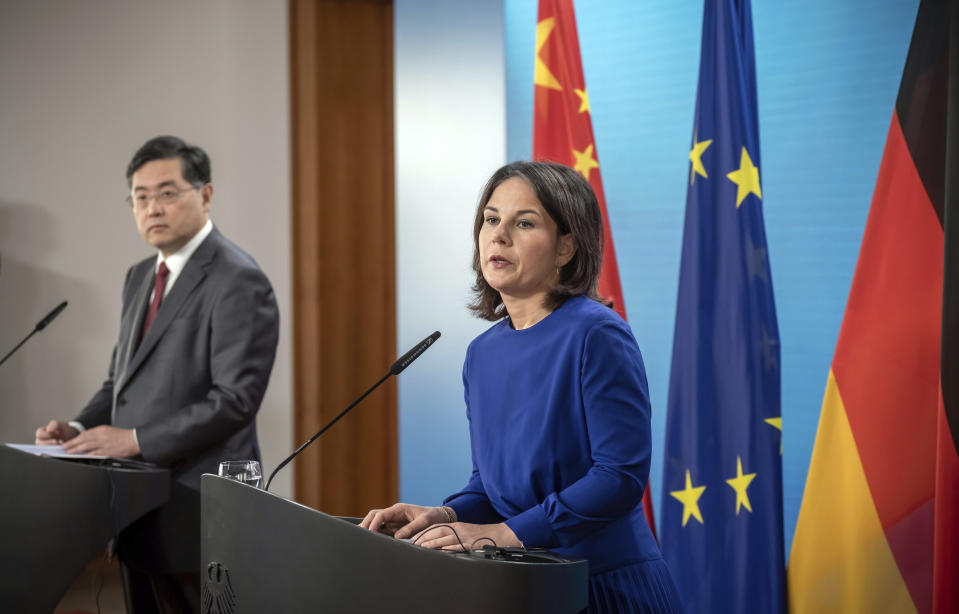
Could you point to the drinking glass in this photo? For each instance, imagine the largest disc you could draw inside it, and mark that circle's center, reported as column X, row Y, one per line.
column 246, row 471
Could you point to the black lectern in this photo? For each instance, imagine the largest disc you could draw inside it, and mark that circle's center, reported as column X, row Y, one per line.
column 263, row 553
column 57, row 515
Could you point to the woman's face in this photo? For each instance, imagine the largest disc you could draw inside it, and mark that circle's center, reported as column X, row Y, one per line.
column 520, row 252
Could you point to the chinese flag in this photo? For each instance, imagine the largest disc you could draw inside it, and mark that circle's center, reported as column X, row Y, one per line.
column 563, row 131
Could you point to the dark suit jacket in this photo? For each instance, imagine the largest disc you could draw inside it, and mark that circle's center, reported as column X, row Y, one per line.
column 191, row 389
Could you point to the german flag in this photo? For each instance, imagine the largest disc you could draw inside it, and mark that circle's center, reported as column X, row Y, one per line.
column 563, row 132
column 878, row 528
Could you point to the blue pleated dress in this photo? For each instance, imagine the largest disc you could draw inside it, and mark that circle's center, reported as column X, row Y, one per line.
column 560, row 436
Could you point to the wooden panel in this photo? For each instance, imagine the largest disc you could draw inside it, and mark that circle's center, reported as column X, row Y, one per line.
column 344, row 327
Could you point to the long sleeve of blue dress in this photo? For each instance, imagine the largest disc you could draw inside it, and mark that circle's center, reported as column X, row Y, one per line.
column 560, row 431
column 471, row 504
column 615, row 405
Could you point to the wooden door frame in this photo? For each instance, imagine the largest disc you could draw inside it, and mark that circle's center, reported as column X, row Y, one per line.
column 344, row 278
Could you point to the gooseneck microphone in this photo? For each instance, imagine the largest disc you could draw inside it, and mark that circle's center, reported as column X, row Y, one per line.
column 40, row 326
column 395, row 369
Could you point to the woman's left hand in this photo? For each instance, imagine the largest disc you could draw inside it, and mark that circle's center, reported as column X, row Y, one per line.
column 440, row 537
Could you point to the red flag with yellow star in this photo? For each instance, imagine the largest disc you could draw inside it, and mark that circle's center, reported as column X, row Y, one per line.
column 563, row 131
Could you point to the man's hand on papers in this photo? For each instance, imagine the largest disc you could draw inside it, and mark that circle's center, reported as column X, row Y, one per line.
column 105, row 440
column 55, row 433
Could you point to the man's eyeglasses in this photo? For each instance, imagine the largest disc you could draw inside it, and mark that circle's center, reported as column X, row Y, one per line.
column 164, row 196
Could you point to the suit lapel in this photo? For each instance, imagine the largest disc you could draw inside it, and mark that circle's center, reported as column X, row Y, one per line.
column 192, row 276
column 134, row 312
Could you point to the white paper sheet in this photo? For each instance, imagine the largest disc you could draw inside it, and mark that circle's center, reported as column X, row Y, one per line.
column 54, row 451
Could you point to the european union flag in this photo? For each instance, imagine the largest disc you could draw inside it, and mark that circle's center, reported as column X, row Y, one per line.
column 721, row 519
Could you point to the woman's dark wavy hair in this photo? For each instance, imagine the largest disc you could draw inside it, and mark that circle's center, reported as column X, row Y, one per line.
column 570, row 201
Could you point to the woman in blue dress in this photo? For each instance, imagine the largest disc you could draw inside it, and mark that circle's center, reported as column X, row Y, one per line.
column 556, row 398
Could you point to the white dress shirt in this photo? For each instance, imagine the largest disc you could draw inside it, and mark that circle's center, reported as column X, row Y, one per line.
column 176, row 261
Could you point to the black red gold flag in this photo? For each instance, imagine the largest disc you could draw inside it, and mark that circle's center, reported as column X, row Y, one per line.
column 878, row 528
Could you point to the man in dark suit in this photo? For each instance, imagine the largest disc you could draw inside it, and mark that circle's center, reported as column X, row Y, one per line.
column 198, row 335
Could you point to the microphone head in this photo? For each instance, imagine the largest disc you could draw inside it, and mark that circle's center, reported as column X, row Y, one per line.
column 404, row 361
column 51, row 316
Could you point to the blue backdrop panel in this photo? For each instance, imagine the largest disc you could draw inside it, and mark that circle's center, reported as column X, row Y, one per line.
column 827, row 76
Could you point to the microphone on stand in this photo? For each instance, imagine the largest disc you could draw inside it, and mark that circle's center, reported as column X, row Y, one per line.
column 395, row 369
column 40, row 326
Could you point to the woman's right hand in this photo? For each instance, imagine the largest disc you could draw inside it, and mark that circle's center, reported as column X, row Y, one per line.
column 403, row 520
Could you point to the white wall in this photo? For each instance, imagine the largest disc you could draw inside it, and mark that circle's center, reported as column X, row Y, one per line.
column 82, row 86
column 450, row 137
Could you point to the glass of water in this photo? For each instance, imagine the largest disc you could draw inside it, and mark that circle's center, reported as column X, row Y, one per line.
column 246, row 471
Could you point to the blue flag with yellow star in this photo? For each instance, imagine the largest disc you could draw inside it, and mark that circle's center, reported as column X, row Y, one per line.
column 721, row 518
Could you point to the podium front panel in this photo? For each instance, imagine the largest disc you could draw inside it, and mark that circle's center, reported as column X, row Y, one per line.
column 58, row 515
column 263, row 553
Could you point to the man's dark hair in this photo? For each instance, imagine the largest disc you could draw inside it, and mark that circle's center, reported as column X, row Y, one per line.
column 195, row 162
column 570, row 201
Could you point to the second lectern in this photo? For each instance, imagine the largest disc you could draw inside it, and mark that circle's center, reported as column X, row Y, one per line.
column 57, row 514
column 263, row 553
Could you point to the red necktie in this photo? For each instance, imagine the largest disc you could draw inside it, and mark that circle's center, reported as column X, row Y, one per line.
column 158, row 287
